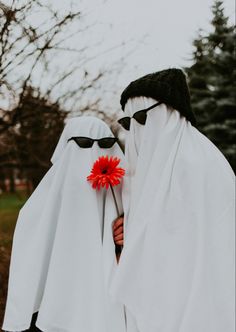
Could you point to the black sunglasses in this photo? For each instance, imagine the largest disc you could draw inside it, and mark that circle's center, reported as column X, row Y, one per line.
column 87, row 142
column 139, row 116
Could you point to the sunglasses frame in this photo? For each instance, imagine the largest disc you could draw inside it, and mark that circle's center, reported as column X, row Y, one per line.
column 144, row 112
column 92, row 140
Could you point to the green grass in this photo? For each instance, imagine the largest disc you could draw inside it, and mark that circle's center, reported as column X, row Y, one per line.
column 10, row 205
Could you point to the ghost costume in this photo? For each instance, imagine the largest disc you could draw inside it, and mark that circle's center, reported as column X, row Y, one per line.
column 176, row 271
column 63, row 252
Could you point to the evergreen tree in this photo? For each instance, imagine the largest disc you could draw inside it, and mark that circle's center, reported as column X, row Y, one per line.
column 212, row 83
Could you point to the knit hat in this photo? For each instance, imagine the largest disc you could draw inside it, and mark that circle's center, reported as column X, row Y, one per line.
column 169, row 86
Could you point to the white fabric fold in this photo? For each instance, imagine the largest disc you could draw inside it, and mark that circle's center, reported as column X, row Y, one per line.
column 61, row 262
column 176, row 271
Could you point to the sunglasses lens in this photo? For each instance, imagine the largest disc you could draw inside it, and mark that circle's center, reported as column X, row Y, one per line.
column 106, row 142
column 125, row 123
column 140, row 117
column 84, row 142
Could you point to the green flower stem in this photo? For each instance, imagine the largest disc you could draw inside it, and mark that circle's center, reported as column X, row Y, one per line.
column 113, row 194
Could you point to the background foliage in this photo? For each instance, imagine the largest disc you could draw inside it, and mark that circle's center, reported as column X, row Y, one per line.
column 212, row 82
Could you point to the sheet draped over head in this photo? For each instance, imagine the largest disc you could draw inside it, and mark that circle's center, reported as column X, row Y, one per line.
column 62, row 256
column 176, row 271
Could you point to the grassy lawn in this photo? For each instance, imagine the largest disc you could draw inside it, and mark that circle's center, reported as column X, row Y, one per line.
column 10, row 205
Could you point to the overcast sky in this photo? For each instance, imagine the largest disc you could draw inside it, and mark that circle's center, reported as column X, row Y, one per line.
column 168, row 26
column 157, row 34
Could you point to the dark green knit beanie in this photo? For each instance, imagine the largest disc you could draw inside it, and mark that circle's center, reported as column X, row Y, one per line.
column 169, row 86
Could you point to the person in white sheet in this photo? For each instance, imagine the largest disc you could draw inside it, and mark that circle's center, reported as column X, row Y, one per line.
column 63, row 252
column 176, row 270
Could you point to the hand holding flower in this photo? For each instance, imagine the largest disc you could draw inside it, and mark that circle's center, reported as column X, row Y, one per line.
column 118, row 231
column 106, row 173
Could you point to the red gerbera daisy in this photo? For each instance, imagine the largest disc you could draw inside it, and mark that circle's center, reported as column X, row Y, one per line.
column 105, row 172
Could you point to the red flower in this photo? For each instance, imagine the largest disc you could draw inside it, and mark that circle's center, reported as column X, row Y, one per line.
column 105, row 172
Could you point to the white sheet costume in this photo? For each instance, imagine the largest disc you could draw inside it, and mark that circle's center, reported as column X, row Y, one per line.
column 176, row 271
column 61, row 263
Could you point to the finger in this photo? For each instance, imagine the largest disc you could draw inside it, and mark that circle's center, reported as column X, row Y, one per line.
column 119, row 237
column 118, row 231
column 117, row 223
column 118, row 234
column 120, row 243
